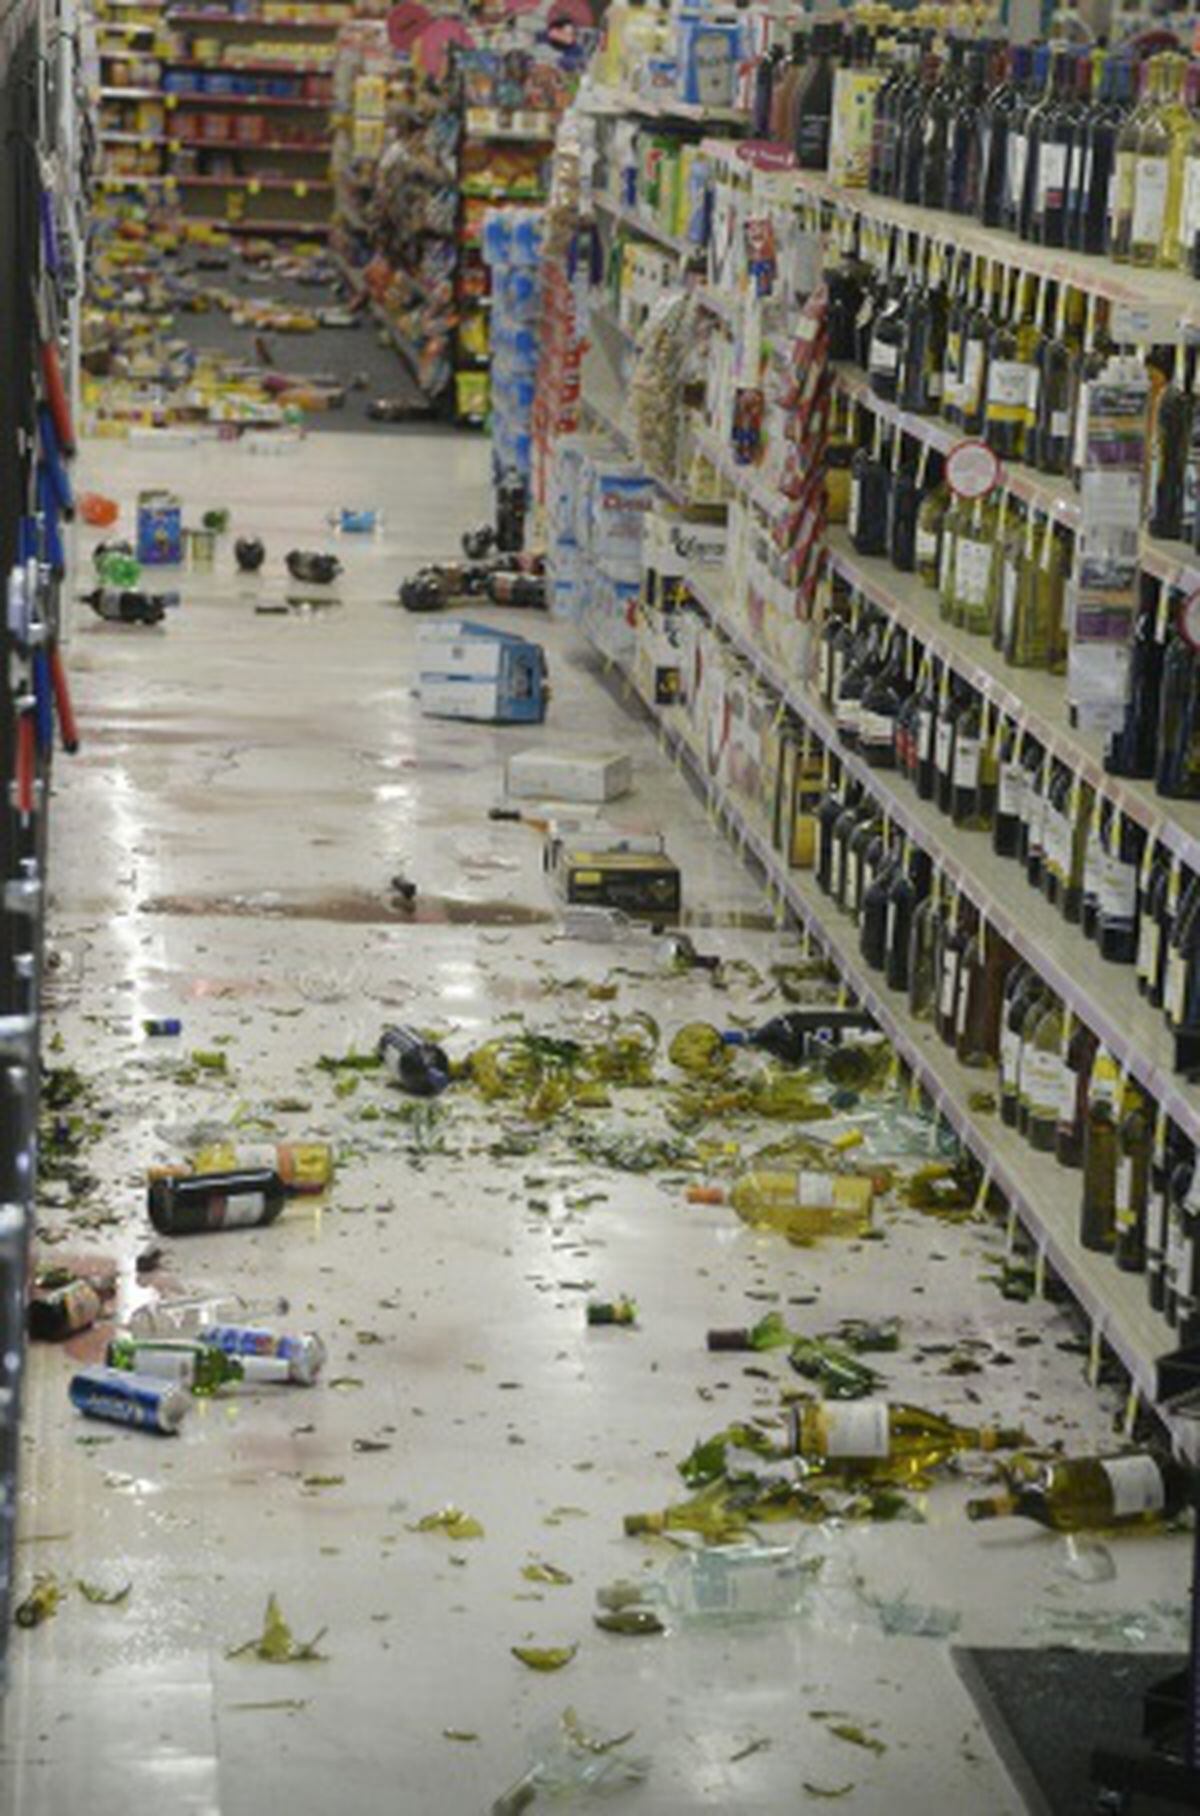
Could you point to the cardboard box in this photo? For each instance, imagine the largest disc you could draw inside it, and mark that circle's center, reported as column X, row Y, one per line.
column 638, row 882
column 159, row 529
column 470, row 671
column 555, row 776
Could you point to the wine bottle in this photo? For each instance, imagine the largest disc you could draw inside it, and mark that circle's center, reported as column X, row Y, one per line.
column 873, row 919
column 909, row 886
column 885, row 1441
column 1057, row 124
column 1097, row 1225
column 923, row 953
column 1169, row 437
column 1117, row 920
column 191, row 1365
column 1042, row 1067
column 995, row 123
column 1022, row 986
column 1082, row 1494
column 870, row 483
column 1079, row 1055
column 1163, row 1158
column 1131, row 750
column 1131, row 1198
column 1178, row 768
column 1010, row 786
column 955, row 932
column 215, row 1201
column 1033, row 812
column 770, row 1332
column 931, row 512
column 800, row 1205
column 1151, row 168
column 1049, row 446
column 1181, row 988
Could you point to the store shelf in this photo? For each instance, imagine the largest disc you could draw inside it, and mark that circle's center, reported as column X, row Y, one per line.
column 205, row 100
column 1046, row 493
column 1148, row 305
column 299, row 186
column 130, row 138
column 132, row 180
column 308, row 230
column 253, row 69
column 131, row 94
column 746, row 482
column 628, row 217
column 665, row 107
column 1042, row 1194
column 1175, row 563
column 130, row 28
column 261, row 24
column 522, row 127
column 1105, row 996
column 277, row 147
column 1034, row 699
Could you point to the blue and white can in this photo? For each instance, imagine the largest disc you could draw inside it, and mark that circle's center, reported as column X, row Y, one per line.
column 304, row 1354
column 129, row 1399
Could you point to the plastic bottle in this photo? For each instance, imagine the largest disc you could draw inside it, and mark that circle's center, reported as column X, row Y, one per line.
column 184, row 1317
column 418, row 1066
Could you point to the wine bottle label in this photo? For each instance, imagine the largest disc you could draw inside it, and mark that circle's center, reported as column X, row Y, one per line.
column 925, row 743
column 1189, row 214
column 1125, row 1214
column 942, row 745
column 823, row 668
column 1007, row 390
column 889, row 926
column 1009, row 585
column 964, row 1001
column 972, row 377
column 1041, row 1082
column 845, row 715
column 853, row 879
column 1175, row 987
column 1149, row 200
column 1118, row 890
column 240, row 1210
column 1068, row 1095
column 1018, row 156
column 1060, row 424
column 1033, row 392
column 836, row 867
column 858, row 1428
column 814, row 1190
column 852, row 507
column 1010, row 790
column 945, row 563
column 875, row 728
column 972, row 569
column 926, row 547
column 1010, row 1055
column 1051, row 176
column 1149, row 941
column 966, row 762
column 1083, row 181
column 1135, row 1484
column 1156, row 1224
column 884, row 356
column 949, row 991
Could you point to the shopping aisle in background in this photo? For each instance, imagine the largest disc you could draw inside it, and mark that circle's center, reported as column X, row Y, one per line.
column 249, row 784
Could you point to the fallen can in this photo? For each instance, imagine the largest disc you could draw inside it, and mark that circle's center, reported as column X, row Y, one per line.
column 162, row 1024
column 304, row 1354
column 125, row 1399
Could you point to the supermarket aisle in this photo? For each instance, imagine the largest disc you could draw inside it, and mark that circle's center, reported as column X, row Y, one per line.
column 250, row 783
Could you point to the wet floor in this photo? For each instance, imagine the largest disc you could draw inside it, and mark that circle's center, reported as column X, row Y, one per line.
column 224, row 849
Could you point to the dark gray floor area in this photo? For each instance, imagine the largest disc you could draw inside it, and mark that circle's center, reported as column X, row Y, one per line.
column 345, row 353
column 1047, row 1708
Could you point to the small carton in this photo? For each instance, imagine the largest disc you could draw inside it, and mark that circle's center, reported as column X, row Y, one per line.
column 556, row 776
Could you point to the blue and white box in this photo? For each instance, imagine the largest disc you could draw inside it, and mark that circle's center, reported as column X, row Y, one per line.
column 471, row 671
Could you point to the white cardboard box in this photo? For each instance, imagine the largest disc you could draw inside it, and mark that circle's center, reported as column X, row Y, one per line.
column 550, row 776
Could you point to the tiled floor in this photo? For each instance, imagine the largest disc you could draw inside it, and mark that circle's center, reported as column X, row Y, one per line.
column 223, row 844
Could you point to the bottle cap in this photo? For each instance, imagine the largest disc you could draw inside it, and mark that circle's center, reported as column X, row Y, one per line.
column 993, row 1507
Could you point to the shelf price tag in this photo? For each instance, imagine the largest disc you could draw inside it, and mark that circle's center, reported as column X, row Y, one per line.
column 1010, row 1231
column 981, row 1196
column 1095, row 1354
column 253, row 187
column 301, row 189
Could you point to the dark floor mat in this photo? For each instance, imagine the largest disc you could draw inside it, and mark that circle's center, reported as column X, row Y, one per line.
column 1047, row 1708
column 346, row 353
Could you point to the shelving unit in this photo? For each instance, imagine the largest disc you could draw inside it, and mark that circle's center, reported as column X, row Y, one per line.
column 1145, row 306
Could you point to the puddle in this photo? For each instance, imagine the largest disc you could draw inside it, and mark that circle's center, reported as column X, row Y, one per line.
column 353, row 908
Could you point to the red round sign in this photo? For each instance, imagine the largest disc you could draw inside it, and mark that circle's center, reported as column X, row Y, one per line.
column 972, row 470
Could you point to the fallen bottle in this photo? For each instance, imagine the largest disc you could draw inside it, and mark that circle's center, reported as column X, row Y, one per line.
column 418, row 1066
column 184, row 1317
column 726, row 1582
column 802, row 1204
column 206, row 1202
column 52, row 1316
column 303, row 1166
column 1080, row 1494
column 191, row 1365
column 886, row 1441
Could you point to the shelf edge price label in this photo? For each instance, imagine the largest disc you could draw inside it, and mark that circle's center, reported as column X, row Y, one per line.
column 972, row 470
column 1187, row 620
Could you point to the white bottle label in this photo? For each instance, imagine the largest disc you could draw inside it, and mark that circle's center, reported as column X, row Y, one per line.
column 853, row 879
column 1068, row 1095
column 1118, row 890
column 1010, row 790
column 972, row 376
column 1125, row 1212
column 1051, row 176
column 1136, row 1485
column 1008, row 601
column 875, row 728
column 1041, row 1082
column 1018, row 155
column 1149, row 200
column 1149, row 937
column 972, row 568
column 966, row 762
column 924, row 735
column 1189, row 214
column 942, row 743
column 964, row 1001
column 1007, row 385
column 926, row 547
column 889, row 930
column 1010, row 1054
column 813, row 1190
column 1175, row 987
column 884, row 356
column 243, row 1209
column 858, row 1428
column 949, row 985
